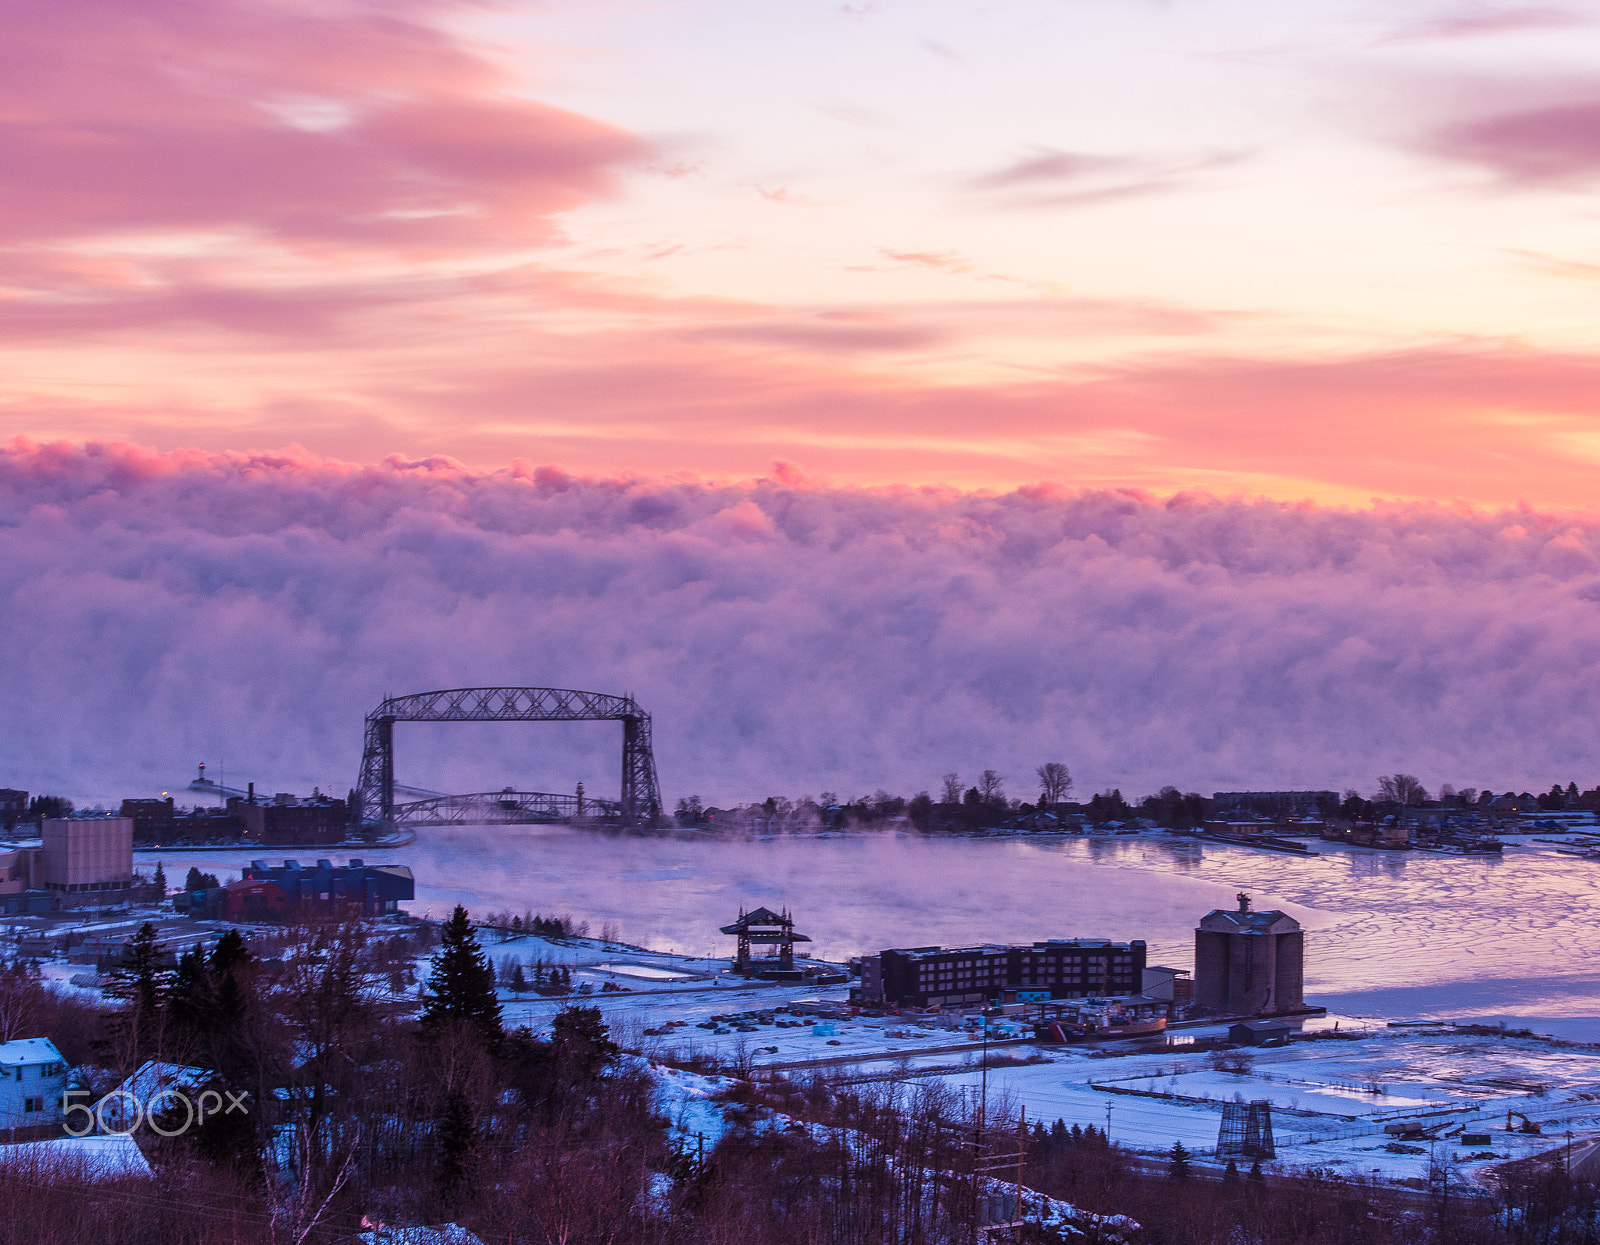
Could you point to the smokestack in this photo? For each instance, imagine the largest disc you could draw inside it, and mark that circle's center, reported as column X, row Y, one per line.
column 252, row 787
column 1244, row 902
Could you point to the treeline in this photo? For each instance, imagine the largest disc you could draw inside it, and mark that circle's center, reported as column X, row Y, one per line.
column 957, row 806
column 984, row 804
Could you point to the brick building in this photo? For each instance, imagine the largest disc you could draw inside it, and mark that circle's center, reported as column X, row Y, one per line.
column 287, row 822
column 154, row 821
column 1060, row 968
column 1249, row 963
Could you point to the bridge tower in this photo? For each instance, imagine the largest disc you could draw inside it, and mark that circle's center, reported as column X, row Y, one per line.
column 641, row 792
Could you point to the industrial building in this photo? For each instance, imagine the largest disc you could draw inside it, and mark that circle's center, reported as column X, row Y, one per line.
column 1249, row 963
column 79, row 861
column 269, row 892
column 1059, row 968
column 1174, row 986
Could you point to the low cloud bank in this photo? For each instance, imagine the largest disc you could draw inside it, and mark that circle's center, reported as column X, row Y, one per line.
column 248, row 610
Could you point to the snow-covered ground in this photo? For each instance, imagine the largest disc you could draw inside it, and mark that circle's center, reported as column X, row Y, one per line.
column 1392, row 934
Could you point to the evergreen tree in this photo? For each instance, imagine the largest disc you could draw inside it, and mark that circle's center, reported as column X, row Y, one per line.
column 160, row 879
column 519, row 982
column 190, row 998
column 461, row 984
column 1230, row 1174
column 42, row 806
column 194, row 880
column 140, row 979
column 1256, row 1173
column 457, row 1136
column 228, row 968
column 1178, row 1168
column 582, row 1045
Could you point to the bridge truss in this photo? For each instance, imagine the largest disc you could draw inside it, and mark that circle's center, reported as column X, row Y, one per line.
column 640, row 796
column 504, row 808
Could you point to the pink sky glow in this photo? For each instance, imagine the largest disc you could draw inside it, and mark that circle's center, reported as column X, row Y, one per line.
column 1332, row 251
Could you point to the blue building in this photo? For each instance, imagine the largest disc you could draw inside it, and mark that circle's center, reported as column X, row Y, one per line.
column 371, row 888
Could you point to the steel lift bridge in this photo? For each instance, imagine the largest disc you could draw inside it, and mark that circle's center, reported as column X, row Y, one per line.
column 640, row 801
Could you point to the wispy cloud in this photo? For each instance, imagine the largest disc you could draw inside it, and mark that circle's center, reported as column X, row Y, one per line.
column 1467, row 21
column 1051, row 178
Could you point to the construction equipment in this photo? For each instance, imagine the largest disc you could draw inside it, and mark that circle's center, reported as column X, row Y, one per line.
column 1531, row 1127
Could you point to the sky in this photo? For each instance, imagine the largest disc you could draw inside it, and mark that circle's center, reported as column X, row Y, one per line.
column 1190, row 390
column 1329, row 251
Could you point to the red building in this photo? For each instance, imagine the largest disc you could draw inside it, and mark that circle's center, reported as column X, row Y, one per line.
column 254, row 897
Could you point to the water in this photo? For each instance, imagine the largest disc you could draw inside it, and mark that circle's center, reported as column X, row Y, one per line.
column 1388, row 933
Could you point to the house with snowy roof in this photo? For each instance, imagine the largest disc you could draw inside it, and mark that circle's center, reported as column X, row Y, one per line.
column 32, row 1077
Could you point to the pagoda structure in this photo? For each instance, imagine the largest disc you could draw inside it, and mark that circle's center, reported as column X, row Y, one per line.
column 764, row 928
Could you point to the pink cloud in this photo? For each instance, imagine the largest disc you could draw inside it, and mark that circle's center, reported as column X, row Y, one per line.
column 353, row 125
column 1556, row 146
column 788, row 636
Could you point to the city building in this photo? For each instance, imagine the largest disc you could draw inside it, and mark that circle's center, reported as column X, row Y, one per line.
column 154, row 821
column 285, row 821
column 1059, row 968
column 89, row 856
column 32, row 1078
column 1249, row 963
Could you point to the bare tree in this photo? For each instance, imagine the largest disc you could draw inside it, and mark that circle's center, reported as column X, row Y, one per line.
column 1401, row 789
column 1054, row 783
column 952, row 788
column 991, row 787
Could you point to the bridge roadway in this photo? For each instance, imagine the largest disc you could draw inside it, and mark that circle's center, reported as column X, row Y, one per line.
column 504, row 808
